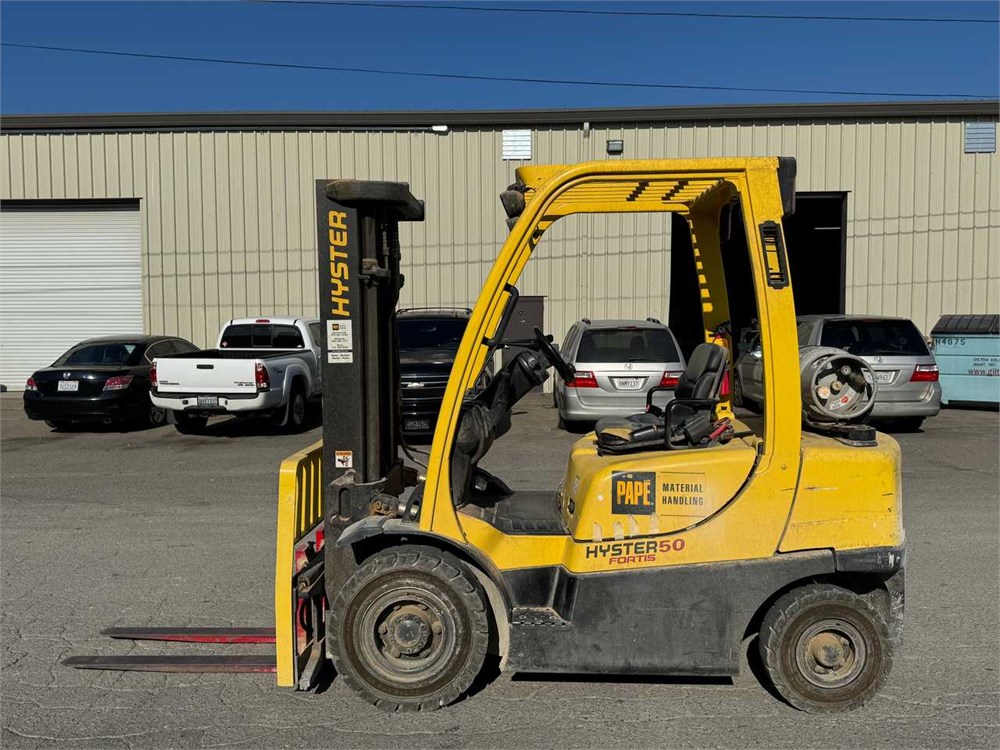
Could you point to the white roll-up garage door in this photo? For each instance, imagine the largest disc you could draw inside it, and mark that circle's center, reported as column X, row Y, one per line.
column 68, row 271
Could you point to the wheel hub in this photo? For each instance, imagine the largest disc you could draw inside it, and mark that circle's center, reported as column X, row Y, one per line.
column 407, row 630
column 828, row 650
column 831, row 653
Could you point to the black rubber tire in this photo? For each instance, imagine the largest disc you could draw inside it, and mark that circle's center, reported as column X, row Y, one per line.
column 296, row 412
column 784, row 654
column 573, row 426
column 187, row 424
column 909, row 424
column 738, row 398
column 413, row 573
column 155, row 417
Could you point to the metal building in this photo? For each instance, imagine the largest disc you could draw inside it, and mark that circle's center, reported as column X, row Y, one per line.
column 173, row 223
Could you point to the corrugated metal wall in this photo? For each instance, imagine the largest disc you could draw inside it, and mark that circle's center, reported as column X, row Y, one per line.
column 228, row 225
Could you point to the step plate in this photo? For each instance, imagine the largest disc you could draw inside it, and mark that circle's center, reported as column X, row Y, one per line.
column 208, row 663
column 194, row 635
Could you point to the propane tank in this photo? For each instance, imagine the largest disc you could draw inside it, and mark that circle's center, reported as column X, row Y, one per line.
column 837, row 387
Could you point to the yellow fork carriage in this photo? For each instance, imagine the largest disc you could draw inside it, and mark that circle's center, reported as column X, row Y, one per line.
column 676, row 535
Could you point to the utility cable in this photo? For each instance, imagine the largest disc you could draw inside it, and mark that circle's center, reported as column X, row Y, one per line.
column 626, row 13
column 471, row 77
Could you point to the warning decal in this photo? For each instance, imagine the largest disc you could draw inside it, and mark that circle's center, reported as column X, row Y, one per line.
column 343, row 459
column 339, row 342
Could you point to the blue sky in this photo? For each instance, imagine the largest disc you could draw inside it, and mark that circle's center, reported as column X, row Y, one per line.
column 888, row 57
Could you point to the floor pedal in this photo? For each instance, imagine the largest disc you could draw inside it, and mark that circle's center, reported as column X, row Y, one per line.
column 194, row 635
column 208, row 663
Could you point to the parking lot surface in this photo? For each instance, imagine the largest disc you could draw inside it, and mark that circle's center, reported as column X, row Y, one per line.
column 156, row 528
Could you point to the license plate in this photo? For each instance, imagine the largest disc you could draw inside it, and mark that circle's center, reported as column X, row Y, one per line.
column 628, row 384
column 69, row 385
column 885, row 377
column 208, row 401
column 416, row 424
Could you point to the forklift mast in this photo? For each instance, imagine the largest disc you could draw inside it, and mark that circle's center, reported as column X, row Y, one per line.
column 359, row 283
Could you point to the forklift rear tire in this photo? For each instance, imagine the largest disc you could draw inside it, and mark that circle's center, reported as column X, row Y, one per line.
column 409, row 630
column 825, row 648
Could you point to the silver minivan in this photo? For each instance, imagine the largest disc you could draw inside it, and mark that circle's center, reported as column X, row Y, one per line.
column 617, row 362
column 907, row 375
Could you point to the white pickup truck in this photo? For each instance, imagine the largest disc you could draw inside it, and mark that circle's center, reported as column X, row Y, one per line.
column 266, row 367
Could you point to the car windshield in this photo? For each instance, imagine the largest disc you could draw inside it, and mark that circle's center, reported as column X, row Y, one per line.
column 430, row 333
column 627, row 345
column 108, row 353
column 886, row 338
column 261, row 336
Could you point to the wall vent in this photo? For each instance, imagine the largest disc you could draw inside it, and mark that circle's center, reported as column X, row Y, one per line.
column 516, row 144
column 980, row 137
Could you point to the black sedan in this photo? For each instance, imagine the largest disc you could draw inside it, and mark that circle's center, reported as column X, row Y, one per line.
column 101, row 380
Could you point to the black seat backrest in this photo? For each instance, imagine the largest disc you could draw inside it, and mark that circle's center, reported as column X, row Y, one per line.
column 690, row 421
column 703, row 376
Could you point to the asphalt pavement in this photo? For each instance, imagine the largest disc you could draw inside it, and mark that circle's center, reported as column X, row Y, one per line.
column 156, row 528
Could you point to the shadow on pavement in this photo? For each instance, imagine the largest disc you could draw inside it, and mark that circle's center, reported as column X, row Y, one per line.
column 236, row 427
column 628, row 679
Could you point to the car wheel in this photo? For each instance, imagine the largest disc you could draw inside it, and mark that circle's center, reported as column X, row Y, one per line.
column 910, row 424
column 189, row 424
column 156, row 417
column 825, row 648
column 409, row 630
column 573, row 425
column 296, row 411
column 737, row 391
column 59, row 424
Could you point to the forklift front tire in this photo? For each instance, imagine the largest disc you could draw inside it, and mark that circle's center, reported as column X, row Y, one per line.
column 409, row 630
column 825, row 648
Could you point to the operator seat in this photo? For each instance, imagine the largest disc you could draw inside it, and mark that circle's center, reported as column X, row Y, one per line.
column 696, row 394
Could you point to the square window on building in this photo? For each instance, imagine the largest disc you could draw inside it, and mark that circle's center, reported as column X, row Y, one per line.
column 980, row 137
column 517, row 144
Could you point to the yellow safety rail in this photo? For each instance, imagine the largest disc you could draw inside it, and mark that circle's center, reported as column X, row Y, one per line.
column 300, row 509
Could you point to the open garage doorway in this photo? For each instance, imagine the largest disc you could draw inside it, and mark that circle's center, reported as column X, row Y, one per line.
column 816, row 238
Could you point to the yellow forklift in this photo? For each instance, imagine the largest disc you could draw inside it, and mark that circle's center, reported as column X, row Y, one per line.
column 677, row 534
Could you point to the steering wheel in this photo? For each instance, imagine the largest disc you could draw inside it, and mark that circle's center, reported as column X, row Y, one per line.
column 565, row 369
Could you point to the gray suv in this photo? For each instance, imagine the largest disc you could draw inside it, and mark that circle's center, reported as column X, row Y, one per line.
column 905, row 371
column 617, row 362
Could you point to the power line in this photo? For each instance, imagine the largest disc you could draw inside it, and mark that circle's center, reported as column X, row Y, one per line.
column 640, row 13
column 471, row 77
